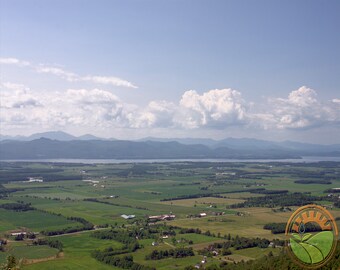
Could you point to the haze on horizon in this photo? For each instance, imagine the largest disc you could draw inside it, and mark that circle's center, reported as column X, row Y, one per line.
column 131, row 69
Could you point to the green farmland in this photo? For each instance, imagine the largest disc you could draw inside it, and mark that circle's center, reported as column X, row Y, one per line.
column 220, row 210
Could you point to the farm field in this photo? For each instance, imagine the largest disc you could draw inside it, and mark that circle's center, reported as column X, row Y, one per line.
column 33, row 220
column 237, row 225
column 77, row 254
column 71, row 222
column 29, row 253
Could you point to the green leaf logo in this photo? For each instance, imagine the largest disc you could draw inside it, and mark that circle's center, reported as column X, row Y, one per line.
column 312, row 234
column 312, row 249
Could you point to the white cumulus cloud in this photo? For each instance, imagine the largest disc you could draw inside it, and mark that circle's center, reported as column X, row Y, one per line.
column 156, row 114
column 215, row 108
column 300, row 110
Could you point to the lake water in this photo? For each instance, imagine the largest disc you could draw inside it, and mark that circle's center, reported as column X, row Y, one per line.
column 309, row 159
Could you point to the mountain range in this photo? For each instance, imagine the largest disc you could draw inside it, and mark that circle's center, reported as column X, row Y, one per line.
column 58, row 144
column 53, row 135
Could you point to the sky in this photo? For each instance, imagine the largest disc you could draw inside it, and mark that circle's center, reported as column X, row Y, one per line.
column 180, row 68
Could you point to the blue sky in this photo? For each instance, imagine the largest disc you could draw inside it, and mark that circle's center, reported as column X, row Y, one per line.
column 129, row 69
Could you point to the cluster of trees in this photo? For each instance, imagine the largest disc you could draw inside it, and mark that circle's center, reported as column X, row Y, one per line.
column 190, row 230
column 171, row 253
column 86, row 226
column 198, row 231
column 188, row 184
column 275, row 227
column 125, row 262
column 124, row 237
column 243, row 242
column 237, row 243
column 313, row 181
column 193, row 196
column 266, row 191
column 17, row 207
column 49, row 242
column 278, row 200
column 20, row 237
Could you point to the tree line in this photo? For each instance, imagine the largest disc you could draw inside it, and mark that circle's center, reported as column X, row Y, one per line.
column 275, row 228
column 125, row 262
column 49, row 242
column 17, row 207
column 276, row 200
column 171, row 253
column 86, row 226
column 237, row 243
column 267, row 191
column 313, row 181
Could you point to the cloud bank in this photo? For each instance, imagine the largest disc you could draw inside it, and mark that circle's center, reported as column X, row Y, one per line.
column 216, row 109
column 92, row 108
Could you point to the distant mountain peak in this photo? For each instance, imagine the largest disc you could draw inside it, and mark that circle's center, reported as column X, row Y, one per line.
column 53, row 135
column 88, row 137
